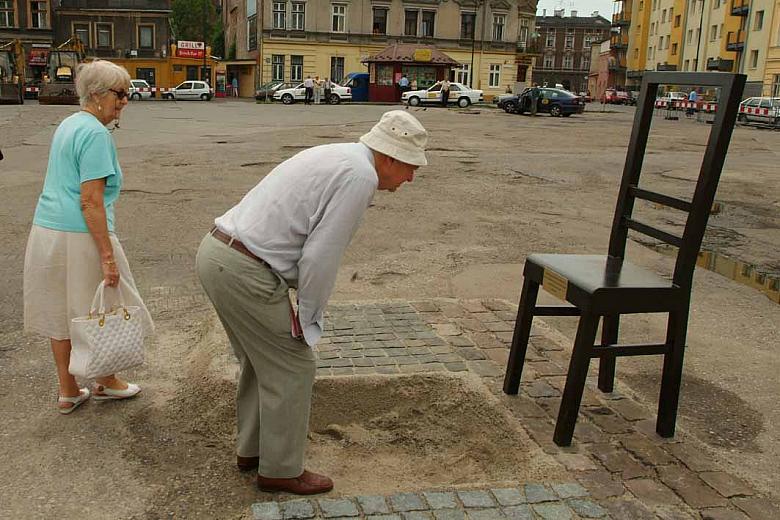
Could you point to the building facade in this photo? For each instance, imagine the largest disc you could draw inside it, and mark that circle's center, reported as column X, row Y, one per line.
column 29, row 21
column 567, row 43
column 771, row 85
column 701, row 35
column 288, row 40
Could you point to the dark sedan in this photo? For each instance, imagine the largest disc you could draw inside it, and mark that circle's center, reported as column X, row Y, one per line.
column 266, row 92
column 554, row 101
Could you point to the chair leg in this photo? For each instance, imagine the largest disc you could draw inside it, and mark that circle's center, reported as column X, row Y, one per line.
column 609, row 336
column 575, row 379
column 525, row 316
column 671, row 377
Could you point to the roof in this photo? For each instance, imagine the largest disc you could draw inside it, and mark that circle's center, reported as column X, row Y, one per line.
column 405, row 53
column 588, row 22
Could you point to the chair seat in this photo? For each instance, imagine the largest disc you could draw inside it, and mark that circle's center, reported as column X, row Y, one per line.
column 604, row 284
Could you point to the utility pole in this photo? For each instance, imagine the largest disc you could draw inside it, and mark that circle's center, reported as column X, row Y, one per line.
column 205, row 28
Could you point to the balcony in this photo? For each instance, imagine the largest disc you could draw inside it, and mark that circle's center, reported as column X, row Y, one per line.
column 616, row 65
column 735, row 41
column 533, row 46
column 740, row 7
column 621, row 19
column 720, row 65
column 618, row 41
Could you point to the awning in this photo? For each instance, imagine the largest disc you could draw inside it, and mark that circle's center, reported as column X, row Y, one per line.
column 239, row 62
column 411, row 53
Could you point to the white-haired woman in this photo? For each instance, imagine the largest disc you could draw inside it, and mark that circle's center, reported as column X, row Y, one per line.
column 72, row 245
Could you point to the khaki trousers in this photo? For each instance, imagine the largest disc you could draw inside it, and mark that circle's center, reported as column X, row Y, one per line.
column 277, row 371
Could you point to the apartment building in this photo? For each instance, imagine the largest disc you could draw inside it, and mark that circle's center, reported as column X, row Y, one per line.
column 700, row 35
column 29, row 21
column 566, row 48
column 771, row 86
column 617, row 61
column 290, row 39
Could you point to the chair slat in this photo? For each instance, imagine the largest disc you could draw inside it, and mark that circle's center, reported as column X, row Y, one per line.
column 660, row 198
column 653, row 232
column 556, row 310
column 628, row 350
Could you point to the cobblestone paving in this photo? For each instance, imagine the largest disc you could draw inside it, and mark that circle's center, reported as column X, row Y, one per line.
column 620, row 468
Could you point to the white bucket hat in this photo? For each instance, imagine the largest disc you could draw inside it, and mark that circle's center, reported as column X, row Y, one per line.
column 399, row 135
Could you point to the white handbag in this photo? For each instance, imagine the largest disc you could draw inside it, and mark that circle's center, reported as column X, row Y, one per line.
column 106, row 342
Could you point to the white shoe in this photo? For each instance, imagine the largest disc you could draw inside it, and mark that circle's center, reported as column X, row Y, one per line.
column 103, row 393
column 74, row 401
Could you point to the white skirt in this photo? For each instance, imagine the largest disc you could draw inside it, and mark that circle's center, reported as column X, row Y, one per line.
column 61, row 273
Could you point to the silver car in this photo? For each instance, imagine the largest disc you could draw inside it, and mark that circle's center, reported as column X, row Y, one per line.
column 190, row 90
column 760, row 110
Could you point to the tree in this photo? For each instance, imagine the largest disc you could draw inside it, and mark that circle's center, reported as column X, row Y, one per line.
column 218, row 39
column 193, row 19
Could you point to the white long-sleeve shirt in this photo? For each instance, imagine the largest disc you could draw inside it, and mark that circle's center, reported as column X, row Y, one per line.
column 301, row 217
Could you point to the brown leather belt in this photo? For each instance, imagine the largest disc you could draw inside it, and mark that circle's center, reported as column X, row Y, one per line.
column 237, row 245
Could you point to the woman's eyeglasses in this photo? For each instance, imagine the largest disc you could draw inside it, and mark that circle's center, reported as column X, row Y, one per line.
column 120, row 94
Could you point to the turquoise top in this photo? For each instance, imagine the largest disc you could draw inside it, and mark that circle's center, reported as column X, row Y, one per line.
column 82, row 150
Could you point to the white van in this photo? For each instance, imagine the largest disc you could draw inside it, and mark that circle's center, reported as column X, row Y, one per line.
column 140, row 89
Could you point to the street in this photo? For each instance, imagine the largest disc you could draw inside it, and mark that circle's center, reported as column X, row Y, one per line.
column 498, row 187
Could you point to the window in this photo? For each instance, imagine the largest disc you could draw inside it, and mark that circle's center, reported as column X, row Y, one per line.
column 499, row 21
column 522, row 37
column 690, row 35
column 380, row 21
column 567, row 61
column 585, row 63
column 758, row 24
column 462, row 74
column 410, row 22
column 663, row 16
column 280, row 12
column 298, row 18
column 716, row 4
column 694, row 64
column 494, row 79
column 104, row 35
column 427, row 26
column 641, row 4
column 550, row 39
column 686, row 64
column 7, row 13
column 146, row 36
column 39, row 15
column 337, row 69
column 569, row 43
column 652, row 28
column 587, row 41
column 753, row 59
column 677, row 20
column 674, row 49
column 776, row 86
column 713, row 33
column 277, row 67
column 296, row 68
column 549, row 61
column 467, row 25
column 660, row 43
column 251, row 33
column 79, row 29
column 339, row 18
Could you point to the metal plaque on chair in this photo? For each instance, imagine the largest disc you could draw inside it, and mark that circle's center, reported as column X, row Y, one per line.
column 555, row 284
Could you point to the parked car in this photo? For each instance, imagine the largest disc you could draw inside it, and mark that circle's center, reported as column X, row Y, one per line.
column 267, row 91
column 507, row 102
column 190, row 90
column 554, row 101
column 617, row 97
column 673, row 97
column 288, row 96
column 760, row 103
column 140, row 89
column 460, row 94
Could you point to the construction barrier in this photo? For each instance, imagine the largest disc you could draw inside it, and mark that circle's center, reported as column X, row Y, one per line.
column 700, row 106
column 34, row 90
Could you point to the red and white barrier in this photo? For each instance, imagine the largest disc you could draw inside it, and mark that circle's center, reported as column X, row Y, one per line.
column 154, row 89
column 699, row 105
column 754, row 111
column 32, row 89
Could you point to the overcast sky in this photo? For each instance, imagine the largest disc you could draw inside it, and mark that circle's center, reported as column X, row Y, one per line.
column 583, row 7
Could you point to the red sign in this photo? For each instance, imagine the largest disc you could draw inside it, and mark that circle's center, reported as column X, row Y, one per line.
column 38, row 58
column 190, row 53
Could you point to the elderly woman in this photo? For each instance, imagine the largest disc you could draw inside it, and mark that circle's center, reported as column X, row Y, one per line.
column 72, row 245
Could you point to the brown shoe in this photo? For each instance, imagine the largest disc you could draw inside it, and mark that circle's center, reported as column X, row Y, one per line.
column 247, row 463
column 307, row 483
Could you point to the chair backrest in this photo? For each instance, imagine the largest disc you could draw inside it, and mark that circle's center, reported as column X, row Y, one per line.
column 698, row 208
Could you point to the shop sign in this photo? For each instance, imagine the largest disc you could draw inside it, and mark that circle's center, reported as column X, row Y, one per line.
column 187, row 49
column 423, row 55
column 38, row 58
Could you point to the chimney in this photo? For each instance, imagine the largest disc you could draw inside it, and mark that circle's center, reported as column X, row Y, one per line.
column 573, row 14
column 558, row 13
column 594, row 14
column 544, row 13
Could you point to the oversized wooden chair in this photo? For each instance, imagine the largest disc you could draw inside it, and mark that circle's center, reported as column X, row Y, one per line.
column 606, row 286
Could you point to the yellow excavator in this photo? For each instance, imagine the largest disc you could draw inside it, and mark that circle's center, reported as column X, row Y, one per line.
column 59, row 84
column 11, row 73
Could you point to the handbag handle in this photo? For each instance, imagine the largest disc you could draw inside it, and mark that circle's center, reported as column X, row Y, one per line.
column 98, row 299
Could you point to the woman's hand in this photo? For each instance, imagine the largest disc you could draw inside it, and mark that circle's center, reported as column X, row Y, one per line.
column 110, row 273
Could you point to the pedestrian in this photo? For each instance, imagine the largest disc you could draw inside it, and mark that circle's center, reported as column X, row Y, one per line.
column 535, row 94
column 234, row 86
column 308, row 84
column 327, row 87
column 291, row 230
column 403, row 84
column 72, row 246
column 317, row 90
column 445, row 92
column 693, row 98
